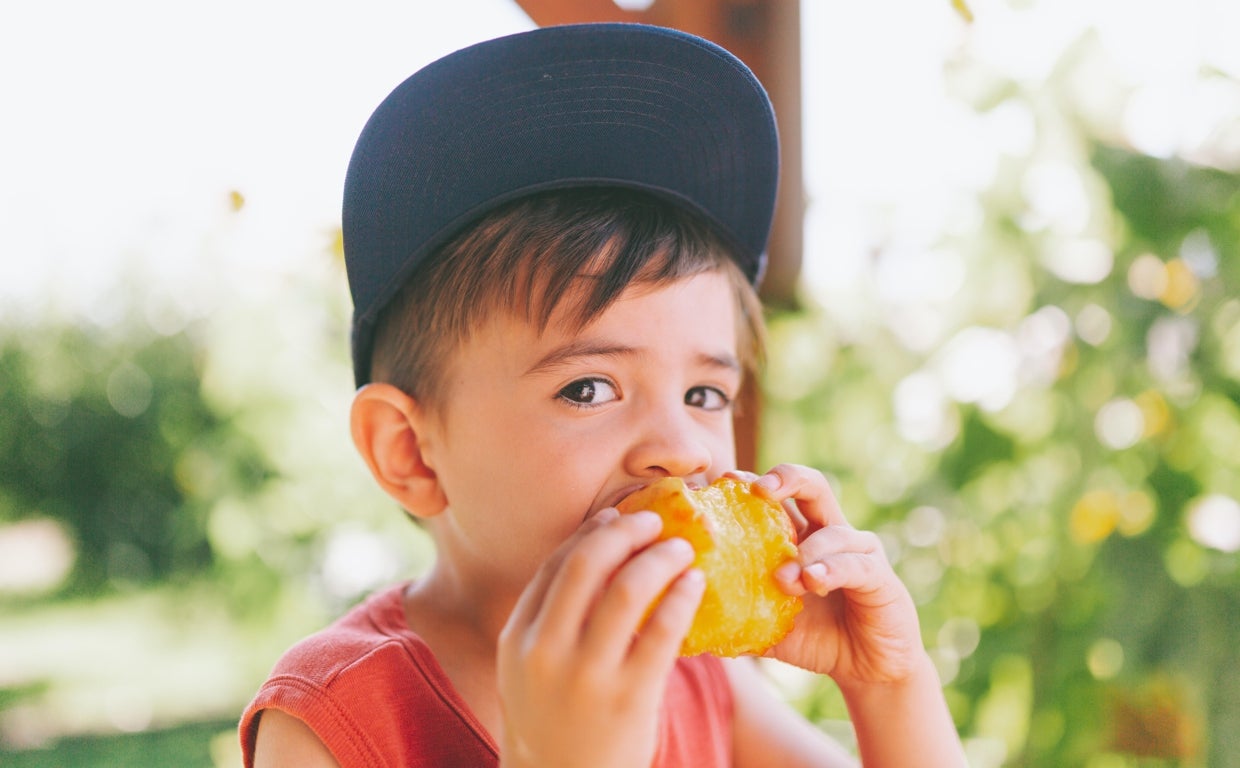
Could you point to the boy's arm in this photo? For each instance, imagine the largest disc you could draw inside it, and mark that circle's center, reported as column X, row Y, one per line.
column 766, row 731
column 905, row 723
column 283, row 741
column 896, row 724
column 860, row 626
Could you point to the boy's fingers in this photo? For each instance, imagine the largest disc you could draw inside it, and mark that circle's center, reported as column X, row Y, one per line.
column 853, row 571
column 837, row 539
column 658, row 645
column 788, row 578
column 531, row 599
column 821, row 556
column 799, row 523
column 633, row 592
column 584, row 569
column 808, row 487
column 838, row 557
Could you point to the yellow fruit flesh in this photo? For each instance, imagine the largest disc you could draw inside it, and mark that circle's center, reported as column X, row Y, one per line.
column 740, row 539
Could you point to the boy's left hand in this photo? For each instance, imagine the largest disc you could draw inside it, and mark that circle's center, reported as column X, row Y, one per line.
column 859, row 624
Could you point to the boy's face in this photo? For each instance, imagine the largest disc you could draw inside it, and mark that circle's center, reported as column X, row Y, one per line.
column 538, row 432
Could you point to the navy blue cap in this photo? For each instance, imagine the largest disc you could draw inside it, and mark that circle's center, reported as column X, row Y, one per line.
column 611, row 104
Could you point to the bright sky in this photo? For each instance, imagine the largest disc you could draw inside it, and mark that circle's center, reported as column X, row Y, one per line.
column 128, row 123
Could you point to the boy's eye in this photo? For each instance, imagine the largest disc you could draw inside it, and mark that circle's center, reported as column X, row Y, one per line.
column 707, row 398
column 593, row 391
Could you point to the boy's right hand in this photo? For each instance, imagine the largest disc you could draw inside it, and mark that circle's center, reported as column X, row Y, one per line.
column 578, row 682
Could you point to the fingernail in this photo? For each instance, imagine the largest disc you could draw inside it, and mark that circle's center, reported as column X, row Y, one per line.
column 680, row 547
column 648, row 520
column 788, row 572
column 769, row 482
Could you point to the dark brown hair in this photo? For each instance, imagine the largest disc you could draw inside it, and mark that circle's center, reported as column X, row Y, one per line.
column 531, row 256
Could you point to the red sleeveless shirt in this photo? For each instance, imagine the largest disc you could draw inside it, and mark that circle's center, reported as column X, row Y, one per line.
column 373, row 692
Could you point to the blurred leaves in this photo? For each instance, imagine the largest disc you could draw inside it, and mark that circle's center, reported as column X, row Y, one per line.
column 1056, row 471
column 110, row 435
column 1165, row 200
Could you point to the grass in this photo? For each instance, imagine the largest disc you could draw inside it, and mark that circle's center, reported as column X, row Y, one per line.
column 194, row 745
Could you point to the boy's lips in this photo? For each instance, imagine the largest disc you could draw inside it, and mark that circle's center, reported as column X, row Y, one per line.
column 622, row 493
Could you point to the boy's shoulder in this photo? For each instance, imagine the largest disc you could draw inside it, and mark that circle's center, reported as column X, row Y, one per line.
column 368, row 686
column 365, row 629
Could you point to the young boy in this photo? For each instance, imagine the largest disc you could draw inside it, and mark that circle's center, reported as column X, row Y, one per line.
column 553, row 240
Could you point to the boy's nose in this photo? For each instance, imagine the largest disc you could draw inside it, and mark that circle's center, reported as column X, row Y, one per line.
column 670, row 446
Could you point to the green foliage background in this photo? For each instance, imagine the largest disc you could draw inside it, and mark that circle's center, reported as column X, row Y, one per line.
column 1058, row 523
column 1079, row 613
column 1075, row 617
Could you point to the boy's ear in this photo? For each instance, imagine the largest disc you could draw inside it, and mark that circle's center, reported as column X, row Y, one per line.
column 388, row 431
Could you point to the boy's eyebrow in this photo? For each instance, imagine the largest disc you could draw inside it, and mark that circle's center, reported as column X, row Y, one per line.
column 575, row 349
column 725, row 361
column 579, row 348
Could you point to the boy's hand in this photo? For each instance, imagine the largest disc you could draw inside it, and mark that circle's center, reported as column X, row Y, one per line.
column 859, row 624
column 578, row 683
